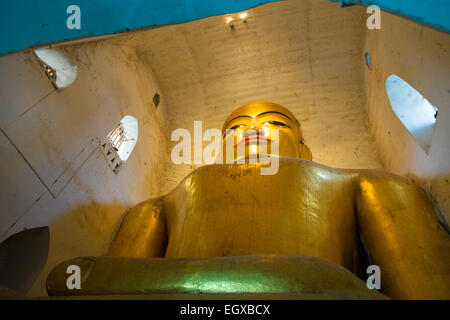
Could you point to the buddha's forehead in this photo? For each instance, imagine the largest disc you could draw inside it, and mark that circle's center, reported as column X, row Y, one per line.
column 255, row 109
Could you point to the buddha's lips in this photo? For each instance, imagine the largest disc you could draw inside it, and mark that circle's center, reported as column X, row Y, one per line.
column 253, row 139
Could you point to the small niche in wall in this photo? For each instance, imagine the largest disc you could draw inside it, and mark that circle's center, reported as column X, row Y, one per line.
column 156, row 99
column 414, row 111
column 61, row 71
column 120, row 142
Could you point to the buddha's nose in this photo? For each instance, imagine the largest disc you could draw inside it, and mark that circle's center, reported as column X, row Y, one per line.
column 254, row 124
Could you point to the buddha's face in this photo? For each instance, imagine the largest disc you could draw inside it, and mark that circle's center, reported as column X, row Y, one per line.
column 259, row 125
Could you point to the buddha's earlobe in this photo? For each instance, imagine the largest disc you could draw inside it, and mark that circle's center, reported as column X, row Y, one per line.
column 305, row 152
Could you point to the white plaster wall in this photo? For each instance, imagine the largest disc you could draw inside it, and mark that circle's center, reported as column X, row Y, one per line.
column 421, row 56
column 56, row 175
column 306, row 55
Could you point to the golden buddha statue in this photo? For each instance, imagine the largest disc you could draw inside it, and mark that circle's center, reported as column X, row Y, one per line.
column 228, row 229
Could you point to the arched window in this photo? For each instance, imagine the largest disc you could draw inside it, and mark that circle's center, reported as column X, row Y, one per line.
column 59, row 69
column 120, row 142
column 415, row 112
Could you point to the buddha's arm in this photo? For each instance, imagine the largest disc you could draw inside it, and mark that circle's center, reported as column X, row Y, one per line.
column 404, row 238
column 142, row 233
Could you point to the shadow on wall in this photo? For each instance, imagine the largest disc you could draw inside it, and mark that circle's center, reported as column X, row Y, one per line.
column 92, row 223
column 22, row 258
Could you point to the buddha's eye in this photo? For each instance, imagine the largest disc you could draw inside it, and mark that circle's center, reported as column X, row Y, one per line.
column 277, row 123
column 236, row 126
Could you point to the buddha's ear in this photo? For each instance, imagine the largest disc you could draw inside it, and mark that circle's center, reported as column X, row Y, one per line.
column 305, row 152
